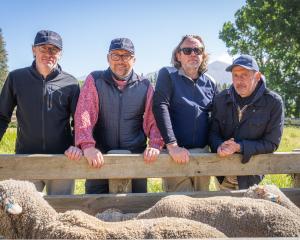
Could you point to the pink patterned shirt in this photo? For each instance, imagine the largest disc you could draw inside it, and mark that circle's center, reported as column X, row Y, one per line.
column 87, row 112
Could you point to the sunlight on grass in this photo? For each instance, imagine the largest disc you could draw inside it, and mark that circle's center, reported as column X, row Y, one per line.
column 7, row 144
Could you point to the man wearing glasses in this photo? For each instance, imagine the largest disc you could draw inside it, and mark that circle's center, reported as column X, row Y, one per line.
column 181, row 106
column 114, row 112
column 46, row 99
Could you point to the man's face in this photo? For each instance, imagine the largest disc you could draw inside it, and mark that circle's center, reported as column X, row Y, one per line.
column 46, row 56
column 189, row 59
column 121, row 62
column 244, row 80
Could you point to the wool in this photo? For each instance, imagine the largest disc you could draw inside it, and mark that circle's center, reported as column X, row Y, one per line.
column 39, row 220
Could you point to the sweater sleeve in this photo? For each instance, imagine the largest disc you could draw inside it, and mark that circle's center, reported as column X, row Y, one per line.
column 149, row 124
column 86, row 115
column 161, row 106
column 215, row 138
column 7, row 104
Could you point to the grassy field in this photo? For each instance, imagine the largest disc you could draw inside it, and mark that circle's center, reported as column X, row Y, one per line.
column 290, row 141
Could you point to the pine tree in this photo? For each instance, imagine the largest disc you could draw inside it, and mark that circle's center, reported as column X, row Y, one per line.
column 3, row 61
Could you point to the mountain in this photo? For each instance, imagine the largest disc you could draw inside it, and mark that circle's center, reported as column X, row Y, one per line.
column 217, row 71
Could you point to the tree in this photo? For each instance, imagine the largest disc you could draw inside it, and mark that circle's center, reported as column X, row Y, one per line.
column 269, row 30
column 3, row 61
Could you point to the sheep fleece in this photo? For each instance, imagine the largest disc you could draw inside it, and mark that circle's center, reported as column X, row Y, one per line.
column 39, row 220
column 235, row 217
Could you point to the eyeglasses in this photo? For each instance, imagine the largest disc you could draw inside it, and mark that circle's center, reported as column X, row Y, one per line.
column 188, row 51
column 50, row 50
column 118, row 57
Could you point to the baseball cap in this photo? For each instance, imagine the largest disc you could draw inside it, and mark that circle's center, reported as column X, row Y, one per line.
column 48, row 37
column 245, row 61
column 121, row 44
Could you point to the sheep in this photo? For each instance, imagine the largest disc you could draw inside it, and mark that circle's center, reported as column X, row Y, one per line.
column 273, row 194
column 25, row 214
column 236, row 217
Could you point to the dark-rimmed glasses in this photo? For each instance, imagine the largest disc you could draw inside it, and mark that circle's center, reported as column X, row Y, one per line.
column 118, row 57
column 50, row 50
column 188, row 51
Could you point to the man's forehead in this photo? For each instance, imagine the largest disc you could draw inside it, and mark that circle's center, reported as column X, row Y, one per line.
column 48, row 46
column 121, row 52
column 192, row 41
column 237, row 69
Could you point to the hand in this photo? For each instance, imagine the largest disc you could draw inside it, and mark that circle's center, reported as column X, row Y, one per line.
column 228, row 148
column 94, row 157
column 151, row 154
column 179, row 154
column 73, row 153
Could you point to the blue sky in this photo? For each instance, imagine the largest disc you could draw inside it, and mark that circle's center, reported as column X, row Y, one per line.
column 87, row 27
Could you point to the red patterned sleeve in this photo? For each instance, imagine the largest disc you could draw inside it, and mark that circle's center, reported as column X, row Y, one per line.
column 86, row 115
column 149, row 124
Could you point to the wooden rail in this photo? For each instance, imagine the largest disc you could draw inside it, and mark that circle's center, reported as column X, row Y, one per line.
column 126, row 166
column 132, row 166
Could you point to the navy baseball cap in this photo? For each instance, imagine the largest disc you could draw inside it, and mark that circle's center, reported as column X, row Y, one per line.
column 245, row 61
column 48, row 37
column 121, row 44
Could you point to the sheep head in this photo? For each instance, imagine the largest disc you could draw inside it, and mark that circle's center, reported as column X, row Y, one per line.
column 20, row 204
column 8, row 204
column 263, row 192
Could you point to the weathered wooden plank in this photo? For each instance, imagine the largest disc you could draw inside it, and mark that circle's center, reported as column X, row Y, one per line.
column 136, row 202
column 132, row 166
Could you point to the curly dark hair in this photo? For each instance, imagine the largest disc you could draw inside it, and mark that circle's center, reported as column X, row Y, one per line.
column 177, row 64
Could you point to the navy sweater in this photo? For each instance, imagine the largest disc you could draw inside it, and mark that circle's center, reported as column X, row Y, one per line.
column 182, row 107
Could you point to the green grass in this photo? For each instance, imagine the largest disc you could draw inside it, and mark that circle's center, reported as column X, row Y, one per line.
column 7, row 144
column 290, row 140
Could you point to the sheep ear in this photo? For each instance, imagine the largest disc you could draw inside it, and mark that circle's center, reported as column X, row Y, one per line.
column 12, row 207
column 42, row 194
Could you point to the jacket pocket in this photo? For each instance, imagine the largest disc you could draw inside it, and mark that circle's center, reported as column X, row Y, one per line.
column 257, row 127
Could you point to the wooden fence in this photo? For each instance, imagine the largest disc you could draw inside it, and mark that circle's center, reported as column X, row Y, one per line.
column 132, row 166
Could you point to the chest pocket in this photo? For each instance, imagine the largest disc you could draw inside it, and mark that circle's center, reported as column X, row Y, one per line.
column 56, row 98
column 227, row 128
column 256, row 127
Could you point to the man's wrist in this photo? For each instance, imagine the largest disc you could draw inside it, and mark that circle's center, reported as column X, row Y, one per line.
column 241, row 147
column 172, row 145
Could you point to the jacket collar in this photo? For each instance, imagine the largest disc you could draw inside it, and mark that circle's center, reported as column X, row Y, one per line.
column 262, row 89
column 51, row 76
column 108, row 77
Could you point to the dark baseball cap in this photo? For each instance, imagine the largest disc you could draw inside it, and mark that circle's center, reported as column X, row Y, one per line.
column 121, row 44
column 48, row 37
column 245, row 61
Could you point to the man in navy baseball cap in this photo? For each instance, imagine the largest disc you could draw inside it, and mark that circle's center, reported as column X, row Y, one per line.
column 45, row 97
column 247, row 119
column 44, row 37
column 245, row 61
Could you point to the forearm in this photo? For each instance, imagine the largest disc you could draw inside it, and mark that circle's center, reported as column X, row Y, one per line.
column 163, row 121
column 149, row 124
column 86, row 115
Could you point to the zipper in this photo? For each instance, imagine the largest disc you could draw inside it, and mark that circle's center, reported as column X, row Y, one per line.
column 43, row 115
column 196, row 110
column 119, row 122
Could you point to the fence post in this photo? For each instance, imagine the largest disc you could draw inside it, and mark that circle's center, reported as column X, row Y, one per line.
column 119, row 185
